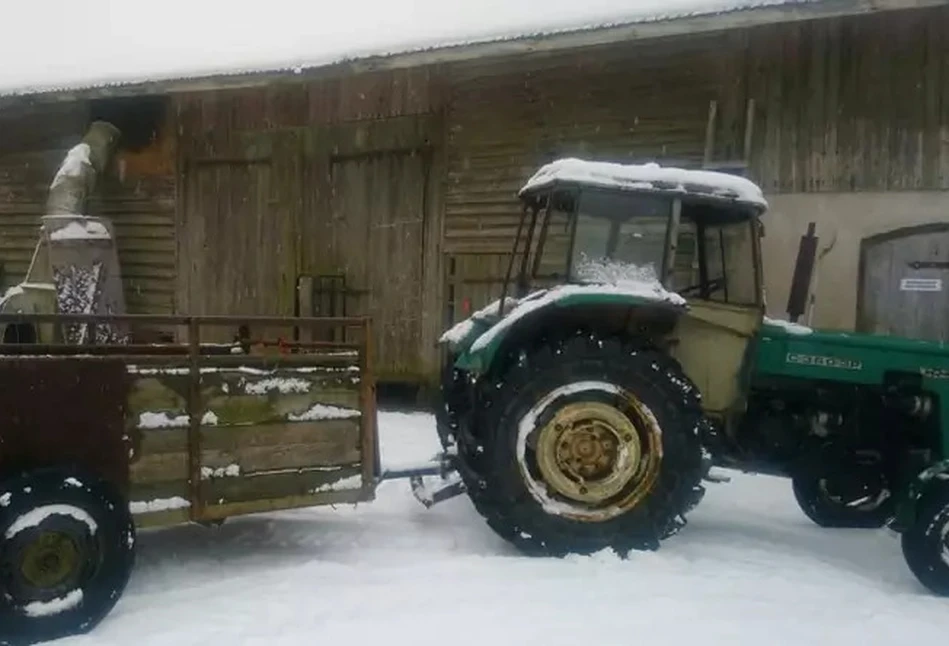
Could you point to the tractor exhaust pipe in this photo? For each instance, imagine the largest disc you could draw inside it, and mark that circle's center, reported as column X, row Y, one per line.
column 803, row 272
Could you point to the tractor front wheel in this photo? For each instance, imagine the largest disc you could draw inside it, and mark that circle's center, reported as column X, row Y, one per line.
column 837, row 489
column 926, row 542
column 587, row 443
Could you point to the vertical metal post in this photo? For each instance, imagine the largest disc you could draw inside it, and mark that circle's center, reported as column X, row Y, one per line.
column 371, row 466
column 672, row 243
column 194, row 419
column 510, row 264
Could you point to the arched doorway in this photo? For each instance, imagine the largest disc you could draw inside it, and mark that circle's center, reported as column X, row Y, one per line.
column 904, row 283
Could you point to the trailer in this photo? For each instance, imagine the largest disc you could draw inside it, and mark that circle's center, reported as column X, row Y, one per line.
column 101, row 440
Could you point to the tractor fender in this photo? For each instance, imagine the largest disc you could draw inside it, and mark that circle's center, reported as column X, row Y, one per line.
column 570, row 302
column 908, row 504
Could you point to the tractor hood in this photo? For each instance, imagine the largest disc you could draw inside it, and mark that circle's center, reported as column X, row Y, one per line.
column 476, row 339
column 788, row 349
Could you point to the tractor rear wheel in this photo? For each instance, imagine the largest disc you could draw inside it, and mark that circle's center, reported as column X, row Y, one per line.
column 586, row 443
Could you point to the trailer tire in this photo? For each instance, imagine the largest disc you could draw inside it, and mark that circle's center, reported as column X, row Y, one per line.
column 602, row 396
column 66, row 554
column 924, row 542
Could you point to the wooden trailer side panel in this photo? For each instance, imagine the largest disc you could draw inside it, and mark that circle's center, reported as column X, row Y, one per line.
column 269, row 439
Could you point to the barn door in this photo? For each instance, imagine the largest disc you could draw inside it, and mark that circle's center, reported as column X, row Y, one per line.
column 377, row 226
column 904, row 288
column 234, row 248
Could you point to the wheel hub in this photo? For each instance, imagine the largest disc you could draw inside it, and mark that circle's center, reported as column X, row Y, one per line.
column 44, row 562
column 589, row 452
column 50, row 560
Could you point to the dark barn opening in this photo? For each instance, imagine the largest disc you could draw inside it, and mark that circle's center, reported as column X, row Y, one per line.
column 139, row 118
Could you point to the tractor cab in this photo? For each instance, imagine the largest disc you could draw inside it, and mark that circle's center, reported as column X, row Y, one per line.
column 693, row 232
column 647, row 229
column 635, row 246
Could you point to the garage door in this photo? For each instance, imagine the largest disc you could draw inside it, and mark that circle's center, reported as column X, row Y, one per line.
column 905, row 284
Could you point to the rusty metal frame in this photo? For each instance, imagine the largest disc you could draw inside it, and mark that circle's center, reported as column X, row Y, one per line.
column 194, row 356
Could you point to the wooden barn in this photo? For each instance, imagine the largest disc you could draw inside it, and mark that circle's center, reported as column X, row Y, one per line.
column 386, row 186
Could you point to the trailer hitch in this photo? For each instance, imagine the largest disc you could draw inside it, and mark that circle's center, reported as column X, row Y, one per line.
column 448, row 483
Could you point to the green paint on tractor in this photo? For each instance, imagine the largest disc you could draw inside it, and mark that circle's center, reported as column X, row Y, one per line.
column 858, row 423
column 858, row 359
column 477, row 350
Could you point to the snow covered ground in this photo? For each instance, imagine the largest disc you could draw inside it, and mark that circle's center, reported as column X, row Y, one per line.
column 748, row 569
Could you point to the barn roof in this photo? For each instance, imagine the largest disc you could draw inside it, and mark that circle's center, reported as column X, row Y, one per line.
column 105, row 47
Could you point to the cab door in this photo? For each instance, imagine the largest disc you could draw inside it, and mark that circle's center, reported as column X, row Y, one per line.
column 717, row 269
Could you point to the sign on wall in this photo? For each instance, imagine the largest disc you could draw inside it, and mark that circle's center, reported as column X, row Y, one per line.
column 921, row 285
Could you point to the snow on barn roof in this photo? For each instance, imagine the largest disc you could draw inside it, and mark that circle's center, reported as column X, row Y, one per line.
column 649, row 177
column 54, row 46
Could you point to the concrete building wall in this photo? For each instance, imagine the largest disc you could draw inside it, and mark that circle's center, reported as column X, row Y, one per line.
column 842, row 221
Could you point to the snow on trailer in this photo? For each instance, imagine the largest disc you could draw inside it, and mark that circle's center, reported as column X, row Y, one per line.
column 161, row 434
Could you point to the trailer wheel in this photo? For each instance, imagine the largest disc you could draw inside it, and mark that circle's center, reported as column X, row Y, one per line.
column 926, row 542
column 587, row 443
column 66, row 553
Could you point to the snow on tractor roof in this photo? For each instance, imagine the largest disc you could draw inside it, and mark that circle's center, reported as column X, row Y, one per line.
column 647, row 177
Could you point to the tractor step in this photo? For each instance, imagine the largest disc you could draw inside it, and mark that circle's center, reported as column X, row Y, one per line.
column 447, row 482
column 432, row 495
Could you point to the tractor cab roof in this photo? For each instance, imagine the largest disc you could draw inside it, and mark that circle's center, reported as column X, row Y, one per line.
column 721, row 189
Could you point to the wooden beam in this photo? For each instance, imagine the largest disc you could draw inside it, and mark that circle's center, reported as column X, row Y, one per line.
column 749, row 130
column 709, row 152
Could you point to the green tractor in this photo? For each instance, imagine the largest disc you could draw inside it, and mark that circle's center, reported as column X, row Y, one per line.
column 630, row 352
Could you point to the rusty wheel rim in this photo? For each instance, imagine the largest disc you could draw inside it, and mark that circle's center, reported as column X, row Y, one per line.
column 50, row 560
column 45, row 562
column 589, row 452
column 594, row 458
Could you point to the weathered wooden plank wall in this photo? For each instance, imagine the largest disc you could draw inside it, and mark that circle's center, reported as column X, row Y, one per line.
column 635, row 102
column 414, row 172
column 138, row 194
column 847, row 104
column 333, row 177
column 639, row 101
column 851, row 104
column 33, row 142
